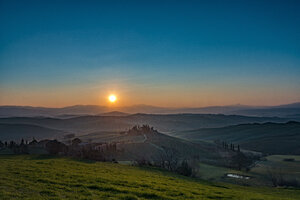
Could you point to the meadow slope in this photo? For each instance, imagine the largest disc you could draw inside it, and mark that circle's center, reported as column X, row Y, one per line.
column 36, row 177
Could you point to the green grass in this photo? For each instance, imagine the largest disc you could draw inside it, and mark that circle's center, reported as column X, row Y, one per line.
column 216, row 173
column 44, row 177
column 259, row 175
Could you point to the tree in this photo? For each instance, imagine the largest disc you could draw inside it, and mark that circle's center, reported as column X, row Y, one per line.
column 240, row 160
column 33, row 142
column 185, row 169
column 12, row 144
column 168, row 158
column 55, row 147
column 76, row 141
column 275, row 176
column 23, row 149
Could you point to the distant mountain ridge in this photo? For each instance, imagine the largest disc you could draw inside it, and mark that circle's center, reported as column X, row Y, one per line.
column 287, row 110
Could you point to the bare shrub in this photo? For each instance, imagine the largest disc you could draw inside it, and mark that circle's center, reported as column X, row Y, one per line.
column 240, row 161
column 279, row 179
column 185, row 169
column 141, row 162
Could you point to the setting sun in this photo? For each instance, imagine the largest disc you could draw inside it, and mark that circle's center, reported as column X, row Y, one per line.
column 112, row 98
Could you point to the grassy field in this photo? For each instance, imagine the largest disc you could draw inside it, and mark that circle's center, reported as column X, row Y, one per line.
column 44, row 177
column 289, row 169
column 259, row 175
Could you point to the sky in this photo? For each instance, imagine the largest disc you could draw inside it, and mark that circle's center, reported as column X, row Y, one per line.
column 162, row 53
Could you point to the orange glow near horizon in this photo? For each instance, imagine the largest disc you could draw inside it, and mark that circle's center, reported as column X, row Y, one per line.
column 131, row 94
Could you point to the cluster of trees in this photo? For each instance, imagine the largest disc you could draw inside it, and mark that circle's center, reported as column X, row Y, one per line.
column 144, row 129
column 278, row 178
column 240, row 161
column 170, row 159
column 15, row 147
column 232, row 146
column 54, row 147
column 3, row 145
column 89, row 151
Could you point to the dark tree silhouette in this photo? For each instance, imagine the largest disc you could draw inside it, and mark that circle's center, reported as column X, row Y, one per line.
column 22, row 142
column 33, row 142
column 55, row 147
column 240, row 161
column 76, row 141
column 185, row 169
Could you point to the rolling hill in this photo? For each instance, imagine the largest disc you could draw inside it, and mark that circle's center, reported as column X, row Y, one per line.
column 131, row 146
column 151, row 146
column 163, row 123
column 27, row 131
column 273, row 138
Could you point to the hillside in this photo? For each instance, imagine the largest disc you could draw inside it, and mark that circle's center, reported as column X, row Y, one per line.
column 163, row 123
column 151, row 146
column 114, row 113
column 273, row 138
column 61, row 178
column 269, row 112
column 27, row 131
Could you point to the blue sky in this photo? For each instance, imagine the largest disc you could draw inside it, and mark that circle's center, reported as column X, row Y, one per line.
column 168, row 53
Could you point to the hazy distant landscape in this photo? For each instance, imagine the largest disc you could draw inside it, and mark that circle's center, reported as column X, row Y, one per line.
column 146, row 99
column 287, row 110
column 238, row 149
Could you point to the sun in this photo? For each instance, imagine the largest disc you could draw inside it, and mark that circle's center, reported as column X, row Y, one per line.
column 112, row 98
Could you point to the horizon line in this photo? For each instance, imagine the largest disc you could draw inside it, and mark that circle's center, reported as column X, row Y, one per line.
column 186, row 107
